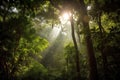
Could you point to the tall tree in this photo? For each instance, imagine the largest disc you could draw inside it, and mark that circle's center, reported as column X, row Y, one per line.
column 76, row 48
column 91, row 56
column 81, row 8
column 100, row 9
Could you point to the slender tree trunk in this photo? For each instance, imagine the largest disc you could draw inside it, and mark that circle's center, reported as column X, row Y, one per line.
column 90, row 52
column 76, row 49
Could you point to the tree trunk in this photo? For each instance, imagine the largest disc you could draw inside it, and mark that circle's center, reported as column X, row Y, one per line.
column 76, row 49
column 90, row 52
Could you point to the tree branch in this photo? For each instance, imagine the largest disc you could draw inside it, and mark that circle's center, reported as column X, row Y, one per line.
column 56, row 6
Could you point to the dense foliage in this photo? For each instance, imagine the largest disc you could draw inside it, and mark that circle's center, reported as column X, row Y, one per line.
column 34, row 45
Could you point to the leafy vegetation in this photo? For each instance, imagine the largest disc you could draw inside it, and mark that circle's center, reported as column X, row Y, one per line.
column 36, row 45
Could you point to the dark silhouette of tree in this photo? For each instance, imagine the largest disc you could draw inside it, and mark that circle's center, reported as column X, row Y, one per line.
column 76, row 49
column 91, row 56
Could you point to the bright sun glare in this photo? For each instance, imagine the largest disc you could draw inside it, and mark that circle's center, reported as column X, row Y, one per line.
column 65, row 17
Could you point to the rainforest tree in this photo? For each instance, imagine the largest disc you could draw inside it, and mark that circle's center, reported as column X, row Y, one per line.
column 86, row 44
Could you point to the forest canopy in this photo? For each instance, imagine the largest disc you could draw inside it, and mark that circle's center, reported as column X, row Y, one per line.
column 59, row 39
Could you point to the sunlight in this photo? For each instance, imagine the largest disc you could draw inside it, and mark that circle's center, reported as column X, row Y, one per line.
column 54, row 33
column 64, row 18
column 14, row 9
column 89, row 7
